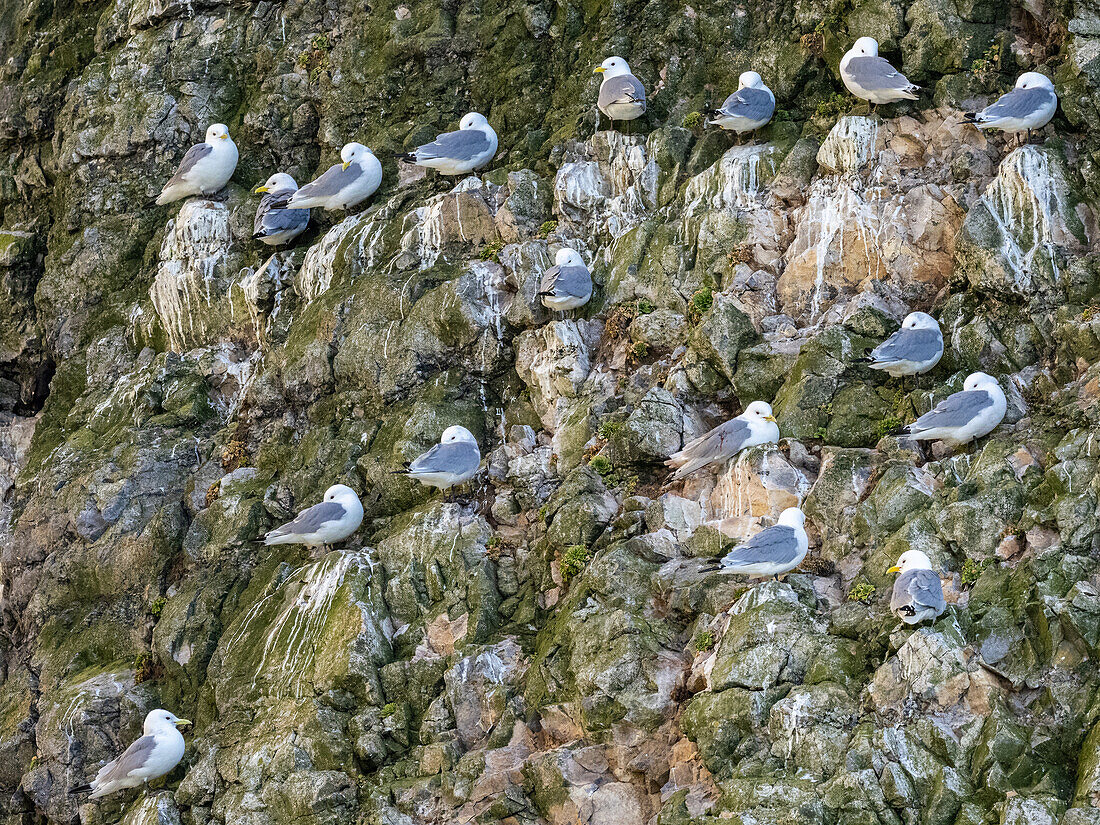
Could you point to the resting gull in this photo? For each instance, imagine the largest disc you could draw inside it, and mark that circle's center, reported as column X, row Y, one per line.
column 918, row 594
column 334, row 519
column 869, row 77
column 275, row 224
column 568, row 283
column 153, row 755
column 456, row 153
column 453, row 460
column 747, row 109
column 622, row 95
column 773, row 551
column 343, row 185
column 1029, row 106
column 205, row 169
column 756, row 425
column 912, row 350
column 963, row 416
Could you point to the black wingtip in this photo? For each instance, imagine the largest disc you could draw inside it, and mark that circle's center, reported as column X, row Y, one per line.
column 970, row 117
column 85, row 788
column 408, row 157
column 863, row 360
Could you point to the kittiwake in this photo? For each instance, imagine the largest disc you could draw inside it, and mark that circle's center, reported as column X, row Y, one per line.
column 205, row 169
column 456, row 153
column 773, row 551
column 153, row 755
column 963, row 416
column 622, row 95
column 871, row 78
column 274, row 224
column 568, row 283
column 912, row 350
column 756, row 425
column 453, row 460
column 918, row 594
column 747, row 109
column 1029, row 106
column 334, row 519
column 344, row 184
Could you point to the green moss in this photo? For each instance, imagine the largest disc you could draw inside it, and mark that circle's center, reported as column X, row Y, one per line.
column 157, row 606
column 389, row 709
column 644, row 307
column 861, row 591
column 704, row 641
column 691, row 120
column 144, row 668
column 573, row 561
column 639, row 351
column 601, row 465
column 887, row 425
column 832, row 107
column 546, row 228
column 608, row 430
column 491, row 251
column 700, row 302
column 972, row 571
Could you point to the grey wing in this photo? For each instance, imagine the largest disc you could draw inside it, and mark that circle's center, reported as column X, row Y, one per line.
column 457, row 457
column 335, row 179
column 954, row 411
column 574, row 281
column 875, row 73
column 623, row 89
column 193, row 156
column 131, row 759
column 918, row 589
column 272, row 216
column 311, row 519
column 722, row 442
column 909, row 345
column 549, row 278
column 774, row 545
column 751, row 104
column 465, row 144
column 1019, row 103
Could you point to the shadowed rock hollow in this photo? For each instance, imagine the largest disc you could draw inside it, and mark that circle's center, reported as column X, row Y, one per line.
column 547, row 648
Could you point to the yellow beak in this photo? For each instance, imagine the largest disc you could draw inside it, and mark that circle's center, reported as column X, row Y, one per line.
column 224, row 137
column 182, row 722
column 770, row 418
column 894, row 569
column 599, row 70
column 259, row 189
column 347, row 163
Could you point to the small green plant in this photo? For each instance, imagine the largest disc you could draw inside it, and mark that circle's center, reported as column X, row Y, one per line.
column 546, row 228
column 972, row 571
column 704, row 641
column 887, row 426
column 820, row 433
column 157, row 606
column 861, row 591
column 573, row 561
column 491, row 251
column 691, row 120
column 602, row 465
column 832, row 107
column 700, row 302
column 608, row 429
column 629, row 485
column 315, row 59
column 639, row 351
column 389, row 709
column 144, row 669
column 986, row 67
column 645, row 306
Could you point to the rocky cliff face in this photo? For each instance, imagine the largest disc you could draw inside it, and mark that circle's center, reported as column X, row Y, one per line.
column 546, row 649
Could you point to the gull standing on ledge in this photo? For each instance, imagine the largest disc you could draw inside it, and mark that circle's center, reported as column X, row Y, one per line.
column 622, row 95
column 343, row 185
column 912, row 350
column 274, row 223
column 756, row 425
column 747, row 109
column 205, row 169
column 918, row 594
column 963, row 416
column 1029, row 106
column 869, row 77
column 334, row 519
column 456, row 153
column 568, row 283
column 453, row 460
column 152, row 756
column 773, row 551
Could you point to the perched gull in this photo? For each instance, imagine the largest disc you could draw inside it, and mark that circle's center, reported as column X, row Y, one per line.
column 773, row 551
column 912, row 350
column 567, row 284
column 747, row 109
column 918, row 594
column 274, row 223
column 205, row 169
column 456, row 153
column 622, row 95
column 343, row 185
column 1029, row 106
column 963, row 416
column 755, row 425
column 150, row 757
column 869, row 77
column 452, row 461
column 334, row 519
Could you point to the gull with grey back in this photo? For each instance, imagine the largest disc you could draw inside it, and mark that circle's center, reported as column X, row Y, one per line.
column 963, row 416
column 747, row 109
column 274, row 224
column 156, row 753
column 205, row 168
column 869, row 77
column 343, row 185
column 1030, row 105
column 773, row 551
column 622, row 95
column 568, row 283
column 756, row 425
column 452, row 461
column 456, row 153
column 918, row 592
column 334, row 519
column 912, row 350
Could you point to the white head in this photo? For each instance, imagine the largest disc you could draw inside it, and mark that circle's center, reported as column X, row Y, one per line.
column 750, row 80
column 1033, row 80
column 911, row 560
column 613, row 67
column 160, row 719
column 472, row 121
column 457, row 433
column 919, row 320
column 865, row 47
column 759, row 411
column 792, row 517
column 339, row 493
column 354, row 153
column 980, row 381
column 568, row 257
column 277, row 182
column 216, row 133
